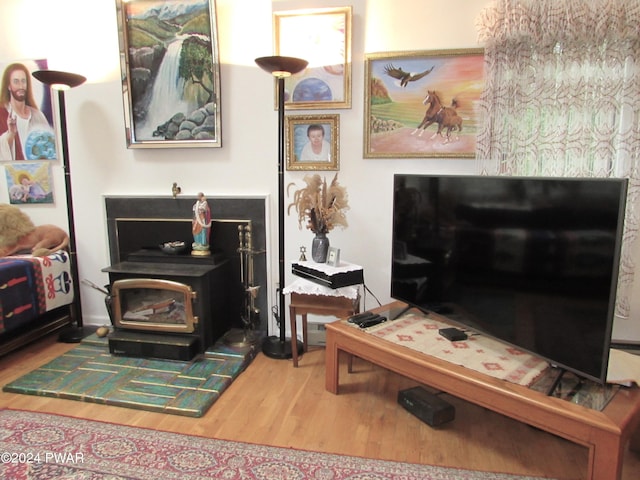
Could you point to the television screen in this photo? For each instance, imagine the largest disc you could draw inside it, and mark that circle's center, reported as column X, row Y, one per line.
column 530, row 261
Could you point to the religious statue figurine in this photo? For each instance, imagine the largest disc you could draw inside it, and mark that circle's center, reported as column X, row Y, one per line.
column 201, row 226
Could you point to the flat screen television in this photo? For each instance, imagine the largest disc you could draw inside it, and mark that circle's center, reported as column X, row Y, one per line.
column 529, row 261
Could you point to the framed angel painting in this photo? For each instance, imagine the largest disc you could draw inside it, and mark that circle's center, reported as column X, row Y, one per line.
column 422, row 104
column 29, row 182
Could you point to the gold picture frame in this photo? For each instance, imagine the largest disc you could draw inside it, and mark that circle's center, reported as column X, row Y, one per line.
column 322, row 36
column 303, row 131
column 170, row 78
column 402, row 90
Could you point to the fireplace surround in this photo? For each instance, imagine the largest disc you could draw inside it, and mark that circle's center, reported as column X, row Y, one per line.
column 137, row 225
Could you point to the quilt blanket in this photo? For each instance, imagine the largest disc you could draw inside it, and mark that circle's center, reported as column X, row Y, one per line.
column 31, row 286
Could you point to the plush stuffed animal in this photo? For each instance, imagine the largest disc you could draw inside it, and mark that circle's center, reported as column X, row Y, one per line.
column 18, row 233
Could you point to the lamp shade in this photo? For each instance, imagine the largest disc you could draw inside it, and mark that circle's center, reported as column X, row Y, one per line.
column 281, row 66
column 55, row 77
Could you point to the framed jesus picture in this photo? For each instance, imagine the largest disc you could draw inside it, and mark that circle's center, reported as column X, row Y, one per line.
column 422, row 104
column 26, row 115
column 170, row 73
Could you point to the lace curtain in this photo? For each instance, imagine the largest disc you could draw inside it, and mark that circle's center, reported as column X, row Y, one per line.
column 562, row 98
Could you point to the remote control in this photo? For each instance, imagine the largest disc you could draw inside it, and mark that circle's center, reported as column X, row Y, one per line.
column 360, row 317
column 372, row 321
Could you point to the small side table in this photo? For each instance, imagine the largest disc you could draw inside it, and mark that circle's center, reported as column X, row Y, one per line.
column 307, row 297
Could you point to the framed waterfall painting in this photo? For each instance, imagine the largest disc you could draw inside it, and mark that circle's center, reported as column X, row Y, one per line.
column 422, row 104
column 170, row 73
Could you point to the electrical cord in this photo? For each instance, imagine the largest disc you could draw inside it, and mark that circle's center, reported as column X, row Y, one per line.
column 366, row 289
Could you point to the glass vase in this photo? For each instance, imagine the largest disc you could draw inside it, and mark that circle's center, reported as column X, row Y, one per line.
column 320, row 248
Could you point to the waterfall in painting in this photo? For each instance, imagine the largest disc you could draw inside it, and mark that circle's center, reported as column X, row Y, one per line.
column 167, row 96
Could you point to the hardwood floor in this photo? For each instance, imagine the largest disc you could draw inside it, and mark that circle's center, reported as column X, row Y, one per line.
column 273, row 403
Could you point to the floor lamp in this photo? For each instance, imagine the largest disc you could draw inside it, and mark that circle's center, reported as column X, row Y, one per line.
column 61, row 81
column 281, row 68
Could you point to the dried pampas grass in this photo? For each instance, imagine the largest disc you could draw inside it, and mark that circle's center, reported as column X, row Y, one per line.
column 320, row 206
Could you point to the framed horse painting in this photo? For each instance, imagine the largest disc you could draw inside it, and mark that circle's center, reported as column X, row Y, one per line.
column 422, row 104
column 170, row 73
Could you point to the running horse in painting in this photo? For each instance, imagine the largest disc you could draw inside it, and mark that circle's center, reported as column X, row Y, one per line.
column 445, row 117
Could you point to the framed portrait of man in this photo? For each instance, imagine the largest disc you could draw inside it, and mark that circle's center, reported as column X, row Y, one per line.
column 312, row 142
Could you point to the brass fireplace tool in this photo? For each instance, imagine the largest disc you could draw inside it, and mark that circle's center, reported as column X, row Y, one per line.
column 250, row 313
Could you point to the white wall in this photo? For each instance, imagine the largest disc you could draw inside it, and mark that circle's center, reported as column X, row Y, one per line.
column 247, row 162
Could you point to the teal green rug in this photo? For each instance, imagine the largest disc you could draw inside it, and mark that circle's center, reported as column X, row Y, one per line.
column 89, row 373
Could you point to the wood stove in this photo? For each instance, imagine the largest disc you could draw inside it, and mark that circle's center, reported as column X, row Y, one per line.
column 184, row 304
column 177, row 305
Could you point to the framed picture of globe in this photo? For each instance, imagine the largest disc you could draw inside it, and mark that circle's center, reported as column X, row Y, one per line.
column 26, row 113
column 322, row 36
column 170, row 73
column 422, row 104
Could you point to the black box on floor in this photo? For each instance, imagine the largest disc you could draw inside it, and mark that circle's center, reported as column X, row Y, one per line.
column 429, row 408
column 150, row 345
column 333, row 277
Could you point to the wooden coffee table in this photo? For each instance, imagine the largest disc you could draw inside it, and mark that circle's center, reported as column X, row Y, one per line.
column 605, row 433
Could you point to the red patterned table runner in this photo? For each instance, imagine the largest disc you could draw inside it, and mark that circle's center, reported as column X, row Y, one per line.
column 478, row 352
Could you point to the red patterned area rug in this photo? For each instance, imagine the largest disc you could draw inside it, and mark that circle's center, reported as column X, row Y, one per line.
column 39, row 446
